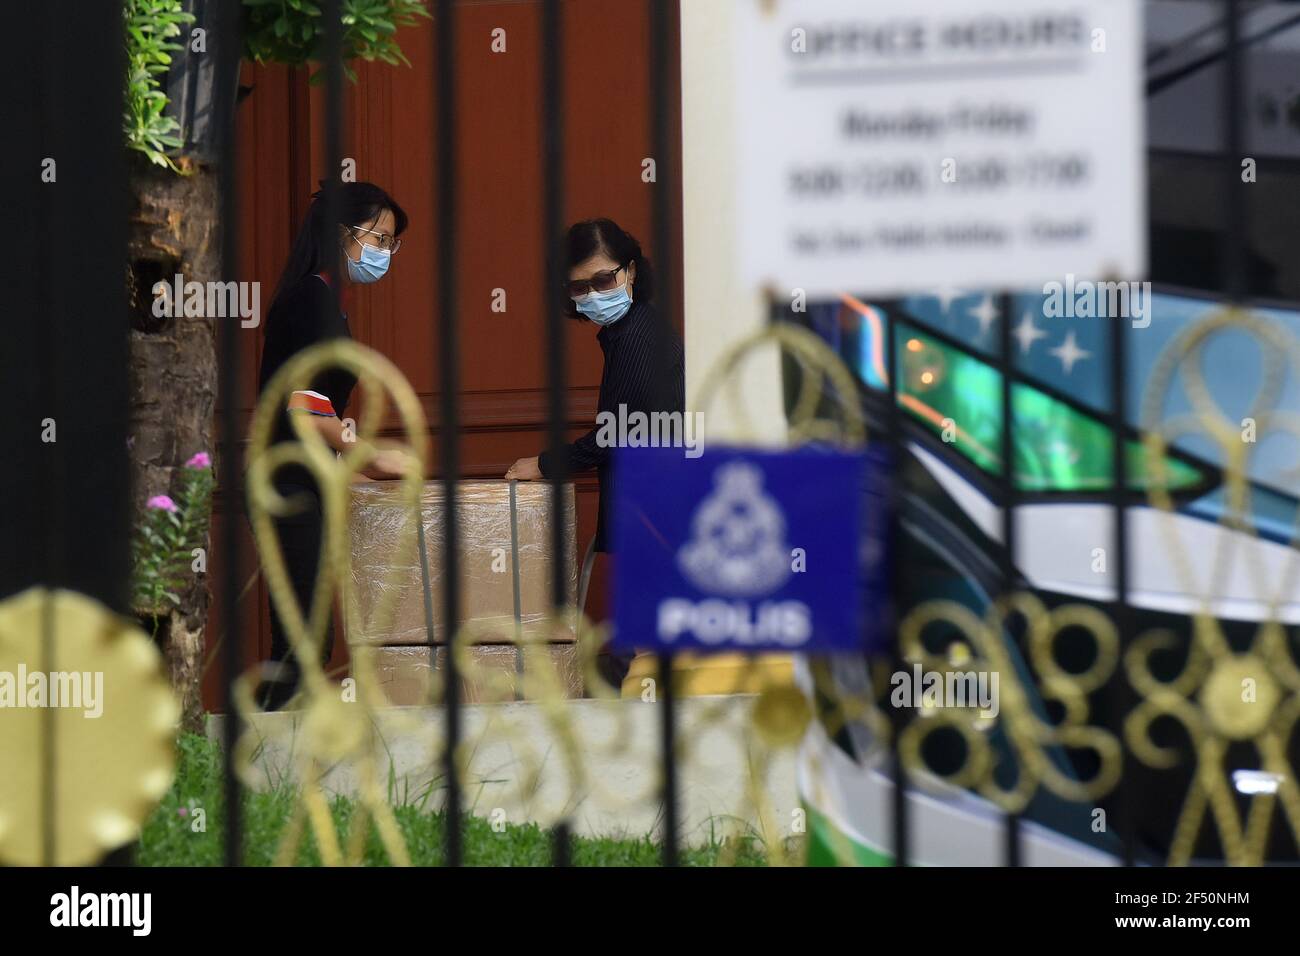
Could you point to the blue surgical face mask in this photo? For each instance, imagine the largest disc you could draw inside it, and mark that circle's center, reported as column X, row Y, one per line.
column 371, row 266
column 605, row 308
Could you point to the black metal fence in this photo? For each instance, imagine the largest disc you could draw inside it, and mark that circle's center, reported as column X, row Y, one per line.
column 1233, row 108
column 67, row 514
column 446, row 177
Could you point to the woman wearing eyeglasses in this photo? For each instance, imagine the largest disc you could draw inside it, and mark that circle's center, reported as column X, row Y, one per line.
column 611, row 285
column 309, row 307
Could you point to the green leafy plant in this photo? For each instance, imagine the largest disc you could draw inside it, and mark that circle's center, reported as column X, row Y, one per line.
column 166, row 537
column 293, row 31
column 274, row 31
column 150, row 26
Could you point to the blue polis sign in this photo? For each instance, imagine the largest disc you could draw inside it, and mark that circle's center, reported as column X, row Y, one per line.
column 749, row 550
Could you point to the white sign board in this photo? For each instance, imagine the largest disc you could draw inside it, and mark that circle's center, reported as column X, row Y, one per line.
column 887, row 148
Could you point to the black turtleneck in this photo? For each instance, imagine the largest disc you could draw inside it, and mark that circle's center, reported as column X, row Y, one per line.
column 643, row 371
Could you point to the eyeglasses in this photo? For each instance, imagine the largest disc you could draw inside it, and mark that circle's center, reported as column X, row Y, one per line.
column 386, row 242
column 600, row 282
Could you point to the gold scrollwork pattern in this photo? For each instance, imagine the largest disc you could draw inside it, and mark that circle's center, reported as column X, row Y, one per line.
column 981, row 650
column 774, row 713
column 1205, row 697
column 1222, row 695
column 1219, row 696
column 825, row 408
column 332, row 729
column 751, row 705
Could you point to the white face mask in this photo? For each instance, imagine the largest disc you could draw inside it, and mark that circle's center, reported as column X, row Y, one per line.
column 371, row 266
column 373, row 262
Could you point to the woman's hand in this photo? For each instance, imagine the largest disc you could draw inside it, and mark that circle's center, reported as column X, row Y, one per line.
column 525, row 469
column 390, row 463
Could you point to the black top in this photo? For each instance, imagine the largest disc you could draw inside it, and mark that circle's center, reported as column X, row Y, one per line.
column 306, row 313
column 645, row 372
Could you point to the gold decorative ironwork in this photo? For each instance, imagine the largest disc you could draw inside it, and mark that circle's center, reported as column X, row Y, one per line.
column 1205, row 696
column 781, row 716
column 1027, row 732
column 334, row 729
column 109, row 759
column 565, row 756
column 826, row 408
column 818, row 366
column 1221, row 696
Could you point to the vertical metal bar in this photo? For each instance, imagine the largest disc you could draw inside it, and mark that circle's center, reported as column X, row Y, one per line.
column 228, row 388
column 661, row 35
column 65, row 359
column 552, row 37
column 668, row 749
column 520, row 662
column 1007, row 487
column 422, row 549
column 661, row 146
column 49, row 740
column 1120, row 611
column 26, row 365
column 1235, row 260
column 552, row 224
column 332, row 55
column 47, row 474
column 449, row 417
column 332, row 62
column 560, row 845
column 893, row 424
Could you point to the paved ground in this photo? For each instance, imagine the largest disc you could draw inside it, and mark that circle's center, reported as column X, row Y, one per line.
column 597, row 760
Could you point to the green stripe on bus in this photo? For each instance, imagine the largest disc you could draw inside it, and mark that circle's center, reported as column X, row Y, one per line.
column 828, row 846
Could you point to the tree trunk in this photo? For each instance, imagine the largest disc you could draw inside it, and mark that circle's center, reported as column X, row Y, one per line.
column 174, row 229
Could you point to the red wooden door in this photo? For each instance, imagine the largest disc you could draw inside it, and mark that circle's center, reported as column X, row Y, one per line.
column 389, row 131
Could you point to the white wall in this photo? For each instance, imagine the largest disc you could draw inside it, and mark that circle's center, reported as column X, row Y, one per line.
column 719, row 310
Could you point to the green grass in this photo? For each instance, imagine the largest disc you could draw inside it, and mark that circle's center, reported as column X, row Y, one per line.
column 169, row 837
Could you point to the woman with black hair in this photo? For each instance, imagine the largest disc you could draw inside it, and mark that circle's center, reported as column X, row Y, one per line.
column 357, row 246
column 611, row 284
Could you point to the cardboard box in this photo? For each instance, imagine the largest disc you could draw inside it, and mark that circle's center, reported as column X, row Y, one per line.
column 385, row 561
column 407, row 674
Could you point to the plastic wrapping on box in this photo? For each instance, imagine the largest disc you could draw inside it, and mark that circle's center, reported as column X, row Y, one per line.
column 384, row 559
column 407, row 678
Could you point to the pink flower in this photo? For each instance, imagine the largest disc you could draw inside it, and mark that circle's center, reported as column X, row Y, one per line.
column 200, row 460
column 183, row 811
column 162, row 502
